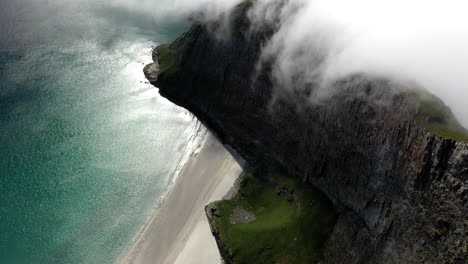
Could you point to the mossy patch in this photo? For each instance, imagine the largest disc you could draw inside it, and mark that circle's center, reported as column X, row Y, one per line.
column 292, row 222
column 167, row 59
column 437, row 117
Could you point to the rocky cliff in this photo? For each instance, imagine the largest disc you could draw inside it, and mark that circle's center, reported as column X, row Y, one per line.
column 401, row 189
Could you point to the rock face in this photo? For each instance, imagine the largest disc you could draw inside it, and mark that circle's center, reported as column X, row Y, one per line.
column 211, row 213
column 401, row 190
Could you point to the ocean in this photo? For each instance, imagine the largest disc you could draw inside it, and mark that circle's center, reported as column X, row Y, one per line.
column 87, row 146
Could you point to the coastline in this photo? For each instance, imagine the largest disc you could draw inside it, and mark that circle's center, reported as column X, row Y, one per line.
column 178, row 228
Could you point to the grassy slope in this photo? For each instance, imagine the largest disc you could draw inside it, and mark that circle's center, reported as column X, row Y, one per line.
column 436, row 117
column 283, row 232
column 167, row 61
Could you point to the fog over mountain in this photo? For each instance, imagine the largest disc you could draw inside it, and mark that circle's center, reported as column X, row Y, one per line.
column 317, row 40
column 422, row 41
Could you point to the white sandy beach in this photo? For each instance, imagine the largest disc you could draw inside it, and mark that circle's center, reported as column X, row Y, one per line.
column 178, row 232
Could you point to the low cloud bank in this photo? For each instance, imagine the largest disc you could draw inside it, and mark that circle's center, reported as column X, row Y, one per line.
column 425, row 41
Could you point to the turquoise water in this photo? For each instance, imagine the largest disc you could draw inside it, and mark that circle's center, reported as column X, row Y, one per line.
column 86, row 146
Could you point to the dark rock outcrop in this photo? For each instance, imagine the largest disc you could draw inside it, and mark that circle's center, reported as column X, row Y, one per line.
column 402, row 190
column 211, row 213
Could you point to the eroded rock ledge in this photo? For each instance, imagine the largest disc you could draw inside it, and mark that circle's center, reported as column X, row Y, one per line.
column 402, row 191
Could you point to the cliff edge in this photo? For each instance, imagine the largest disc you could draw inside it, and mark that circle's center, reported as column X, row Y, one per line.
column 395, row 166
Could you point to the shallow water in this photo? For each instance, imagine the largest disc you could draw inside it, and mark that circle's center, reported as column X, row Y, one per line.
column 86, row 146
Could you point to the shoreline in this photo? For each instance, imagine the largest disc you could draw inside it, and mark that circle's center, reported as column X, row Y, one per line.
column 195, row 143
column 178, row 227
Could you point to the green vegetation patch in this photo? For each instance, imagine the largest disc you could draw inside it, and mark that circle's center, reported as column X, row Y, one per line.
column 437, row 117
column 292, row 221
column 167, row 59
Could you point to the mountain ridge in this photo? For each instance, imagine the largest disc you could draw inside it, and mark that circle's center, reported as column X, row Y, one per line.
column 401, row 190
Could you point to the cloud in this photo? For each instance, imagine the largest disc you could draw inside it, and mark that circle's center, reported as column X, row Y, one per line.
column 425, row 41
column 177, row 9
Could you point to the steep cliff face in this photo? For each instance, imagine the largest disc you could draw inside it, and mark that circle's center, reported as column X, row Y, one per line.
column 402, row 191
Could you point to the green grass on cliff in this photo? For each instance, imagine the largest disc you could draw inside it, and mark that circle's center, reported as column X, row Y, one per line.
column 284, row 231
column 436, row 117
column 167, row 61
